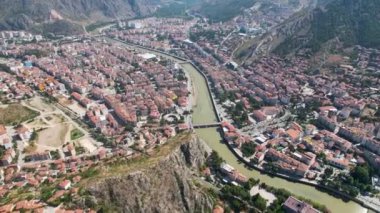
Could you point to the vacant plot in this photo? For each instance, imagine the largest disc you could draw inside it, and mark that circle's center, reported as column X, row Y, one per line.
column 56, row 118
column 53, row 136
column 40, row 104
column 15, row 114
column 75, row 134
column 87, row 144
column 36, row 124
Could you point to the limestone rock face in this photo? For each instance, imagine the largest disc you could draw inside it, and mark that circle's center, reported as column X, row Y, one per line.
column 167, row 186
column 25, row 14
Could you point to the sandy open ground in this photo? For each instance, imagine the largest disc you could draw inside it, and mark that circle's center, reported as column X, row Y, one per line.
column 55, row 118
column 77, row 108
column 37, row 124
column 54, row 136
column 39, row 104
column 87, row 144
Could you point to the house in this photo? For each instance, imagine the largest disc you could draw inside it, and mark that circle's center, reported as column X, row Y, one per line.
column 351, row 134
column 308, row 158
column 38, row 156
column 226, row 168
column 7, row 208
column 336, row 141
column 295, row 132
column 6, row 160
column 373, row 145
column 24, row 133
column 259, row 116
column 7, row 144
column 373, row 159
column 326, row 110
column 326, row 122
column 3, row 133
column 232, row 174
column 316, row 146
column 310, row 129
column 7, row 157
column 65, row 185
column 259, row 157
column 102, row 153
column 293, row 205
column 337, row 162
column 286, row 164
column 294, row 135
column 28, row 205
column 69, row 150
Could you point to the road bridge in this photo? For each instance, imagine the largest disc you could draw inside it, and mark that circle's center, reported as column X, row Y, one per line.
column 201, row 126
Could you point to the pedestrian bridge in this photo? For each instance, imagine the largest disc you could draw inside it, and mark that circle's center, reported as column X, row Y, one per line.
column 201, row 126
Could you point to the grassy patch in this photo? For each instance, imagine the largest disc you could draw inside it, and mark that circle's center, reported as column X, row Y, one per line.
column 75, row 134
column 15, row 114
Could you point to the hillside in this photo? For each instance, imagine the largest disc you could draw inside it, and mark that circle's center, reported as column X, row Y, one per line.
column 164, row 182
column 224, row 10
column 26, row 14
column 350, row 21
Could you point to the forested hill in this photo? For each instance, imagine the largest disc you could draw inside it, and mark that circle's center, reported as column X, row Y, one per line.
column 351, row 21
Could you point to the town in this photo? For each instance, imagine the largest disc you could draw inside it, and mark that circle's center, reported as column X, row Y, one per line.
column 87, row 99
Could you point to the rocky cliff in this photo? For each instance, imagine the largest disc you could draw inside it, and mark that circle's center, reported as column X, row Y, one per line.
column 350, row 22
column 168, row 184
column 24, row 14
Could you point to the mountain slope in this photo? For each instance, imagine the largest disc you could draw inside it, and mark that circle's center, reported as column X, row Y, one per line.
column 224, row 10
column 165, row 182
column 23, row 14
column 350, row 21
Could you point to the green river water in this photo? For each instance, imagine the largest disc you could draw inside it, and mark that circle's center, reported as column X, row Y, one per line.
column 204, row 114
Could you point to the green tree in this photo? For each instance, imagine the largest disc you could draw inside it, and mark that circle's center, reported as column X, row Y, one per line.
column 259, row 202
column 361, row 174
column 248, row 149
column 328, row 172
column 251, row 183
column 214, row 160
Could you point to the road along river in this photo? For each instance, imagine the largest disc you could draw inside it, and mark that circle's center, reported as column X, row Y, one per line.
column 204, row 113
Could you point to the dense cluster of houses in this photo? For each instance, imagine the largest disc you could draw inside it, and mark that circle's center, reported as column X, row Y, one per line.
column 154, row 32
column 12, row 90
column 115, row 87
column 294, row 150
column 7, row 135
column 53, row 173
column 348, row 113
column 19, row 36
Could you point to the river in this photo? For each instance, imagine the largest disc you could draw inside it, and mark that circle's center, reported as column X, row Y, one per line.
column 203, row 113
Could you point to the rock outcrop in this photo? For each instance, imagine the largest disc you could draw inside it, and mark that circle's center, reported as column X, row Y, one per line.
column 24, row 14
column 169, row 185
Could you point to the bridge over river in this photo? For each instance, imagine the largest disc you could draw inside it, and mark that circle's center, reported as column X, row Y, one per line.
column 205, row 114
column 202, row 126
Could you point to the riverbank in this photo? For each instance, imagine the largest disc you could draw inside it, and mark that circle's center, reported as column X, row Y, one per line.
column 203, row 113
column 331, row 191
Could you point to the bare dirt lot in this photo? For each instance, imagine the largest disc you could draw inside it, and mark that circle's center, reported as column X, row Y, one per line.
column 54, row 136
column 40, row 105
column 87, row 145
